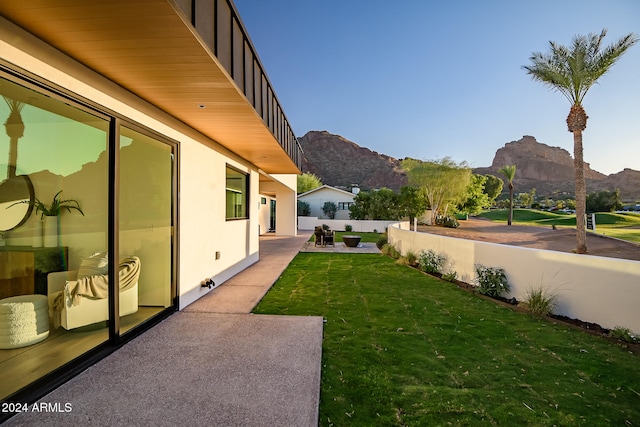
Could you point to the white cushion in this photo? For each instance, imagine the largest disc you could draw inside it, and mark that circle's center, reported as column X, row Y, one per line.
column 95, row 265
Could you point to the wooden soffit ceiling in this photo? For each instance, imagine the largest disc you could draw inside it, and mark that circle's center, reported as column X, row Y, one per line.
column 147, row 47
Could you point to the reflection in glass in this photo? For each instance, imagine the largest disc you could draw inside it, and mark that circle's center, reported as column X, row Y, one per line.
column 16, row 201
column 15, row 192
column 51, row 146
column 146, row 221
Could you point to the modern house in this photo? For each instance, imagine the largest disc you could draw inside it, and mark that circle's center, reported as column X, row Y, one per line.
column 154, row 123
column 317, row 197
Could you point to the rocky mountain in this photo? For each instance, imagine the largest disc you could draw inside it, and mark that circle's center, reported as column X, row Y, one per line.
column 341, row 163
column 627, row 181
column 548, row 169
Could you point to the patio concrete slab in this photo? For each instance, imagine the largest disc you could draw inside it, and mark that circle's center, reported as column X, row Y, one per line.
column 199, row 369
column 340, row 247
column 243, row 291
column 212, row 364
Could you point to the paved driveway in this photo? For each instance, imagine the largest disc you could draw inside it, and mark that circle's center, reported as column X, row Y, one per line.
column 562, row 239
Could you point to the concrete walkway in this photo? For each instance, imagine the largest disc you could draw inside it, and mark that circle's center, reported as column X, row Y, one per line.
column 212, row 364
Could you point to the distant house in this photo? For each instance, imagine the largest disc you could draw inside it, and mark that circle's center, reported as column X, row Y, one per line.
column 317, row 197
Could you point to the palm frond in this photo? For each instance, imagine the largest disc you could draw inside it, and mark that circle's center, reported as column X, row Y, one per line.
column 572, row 70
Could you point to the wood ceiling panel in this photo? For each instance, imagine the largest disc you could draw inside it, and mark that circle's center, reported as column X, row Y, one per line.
column 146, row 47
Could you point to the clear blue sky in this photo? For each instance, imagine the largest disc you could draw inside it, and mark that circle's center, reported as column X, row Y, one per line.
column 429, row 79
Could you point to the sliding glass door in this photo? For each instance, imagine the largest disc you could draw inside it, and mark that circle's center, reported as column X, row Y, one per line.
column 57, row 163
column 146, row 226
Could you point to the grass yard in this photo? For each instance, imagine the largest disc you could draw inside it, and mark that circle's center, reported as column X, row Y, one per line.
column 403, row 348
column 624, row 226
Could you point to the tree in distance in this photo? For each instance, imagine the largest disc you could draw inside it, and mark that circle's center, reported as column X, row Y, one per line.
column 509, row 173
column 307, row 182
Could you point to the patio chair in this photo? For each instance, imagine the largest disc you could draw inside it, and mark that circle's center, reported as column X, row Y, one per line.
column 329, row 238
column 319, row 235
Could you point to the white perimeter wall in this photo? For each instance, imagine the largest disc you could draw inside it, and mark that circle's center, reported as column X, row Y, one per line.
column 596, row 289
column 364, row 226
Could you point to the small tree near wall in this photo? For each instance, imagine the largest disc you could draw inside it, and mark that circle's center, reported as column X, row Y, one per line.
column 330, row 209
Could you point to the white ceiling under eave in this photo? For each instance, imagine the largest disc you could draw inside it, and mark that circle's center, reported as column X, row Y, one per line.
column 147, row 47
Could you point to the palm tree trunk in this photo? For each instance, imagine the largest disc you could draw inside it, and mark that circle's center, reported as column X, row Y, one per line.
column 510, row 220
column 581, row 193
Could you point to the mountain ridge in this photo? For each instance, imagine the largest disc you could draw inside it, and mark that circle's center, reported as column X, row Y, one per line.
column 342, row 163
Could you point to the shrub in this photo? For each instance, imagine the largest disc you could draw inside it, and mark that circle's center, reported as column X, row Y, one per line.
column 624, row 334
column 348, row 228
column 383, row 240
column 303, row 208
column 447, row 221
column 389, row 250
column 330, row 209
column 450, row 276
column 451, row 222
column 411, row 258
column 491, row 281
column 408, row 259
column 431, row 262
column 402, row 261
column 541, row 301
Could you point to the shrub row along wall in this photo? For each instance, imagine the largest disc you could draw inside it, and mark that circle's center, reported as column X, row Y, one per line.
column 363, row 226
column 590, row 288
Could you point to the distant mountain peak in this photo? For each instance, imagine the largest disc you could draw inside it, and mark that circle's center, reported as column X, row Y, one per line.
column 340, row 162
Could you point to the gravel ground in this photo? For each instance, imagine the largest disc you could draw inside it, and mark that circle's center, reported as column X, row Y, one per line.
column 562, row 239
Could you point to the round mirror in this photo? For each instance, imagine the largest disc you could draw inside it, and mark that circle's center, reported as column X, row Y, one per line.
column 16, row 201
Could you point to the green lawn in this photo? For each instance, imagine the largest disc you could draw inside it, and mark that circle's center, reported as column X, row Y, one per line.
column 403, row 348
column 624, row 226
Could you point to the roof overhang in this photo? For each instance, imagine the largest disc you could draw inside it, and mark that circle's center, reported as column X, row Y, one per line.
column 149, row 48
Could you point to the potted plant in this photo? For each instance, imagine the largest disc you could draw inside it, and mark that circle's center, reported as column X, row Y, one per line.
column 49, row 215
column 56, row 206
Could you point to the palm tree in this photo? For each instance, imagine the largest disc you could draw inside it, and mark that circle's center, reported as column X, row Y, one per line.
column 509, row 172
column 572, row 71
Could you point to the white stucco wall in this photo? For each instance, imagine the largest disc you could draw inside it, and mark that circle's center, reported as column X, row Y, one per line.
column 364, row 226
column 596, row 289
column 264, row 212
column 203, row 229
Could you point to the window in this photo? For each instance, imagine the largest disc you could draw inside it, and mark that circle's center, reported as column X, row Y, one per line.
column 344, row 206
column 237, row 189
column 58, row 148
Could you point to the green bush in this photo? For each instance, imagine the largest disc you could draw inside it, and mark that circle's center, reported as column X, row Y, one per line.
column 431, row 262
column 348, row 228
column 451, row 276
column 408, row 259
column 303, row 208
column 411, row 258
column 541, row 301
column 624, row 334
column 447, row 221
column 389, row 250
column 491, row 281
column 383, row 240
